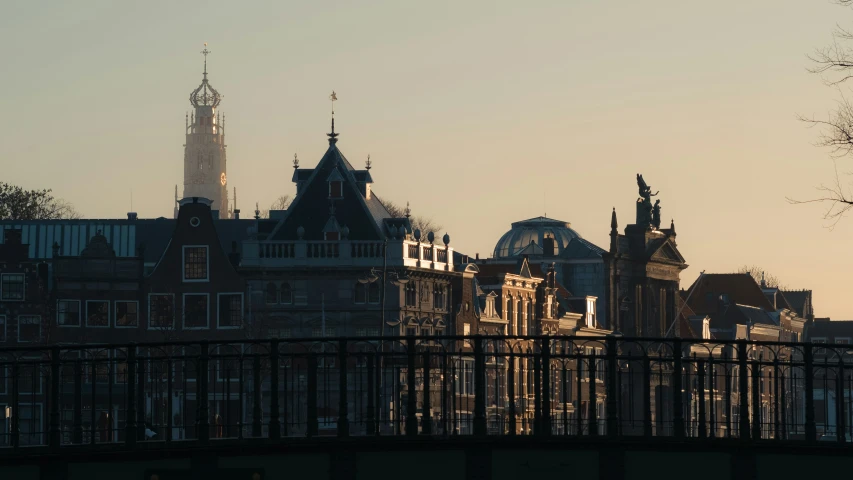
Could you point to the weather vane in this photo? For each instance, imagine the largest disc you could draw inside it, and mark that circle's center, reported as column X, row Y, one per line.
column 367, row 164
column 332, row 136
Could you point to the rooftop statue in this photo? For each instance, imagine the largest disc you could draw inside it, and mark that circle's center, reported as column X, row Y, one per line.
column 645, row 216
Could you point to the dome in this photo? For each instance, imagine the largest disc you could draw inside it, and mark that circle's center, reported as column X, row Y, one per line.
column 535, row 230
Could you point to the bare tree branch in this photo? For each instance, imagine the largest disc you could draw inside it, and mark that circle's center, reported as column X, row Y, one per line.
column 757, row 273
column 419, row 222
column 280, row 203
column 840, row 200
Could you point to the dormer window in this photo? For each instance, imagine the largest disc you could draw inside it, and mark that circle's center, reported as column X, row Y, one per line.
column 335, row 190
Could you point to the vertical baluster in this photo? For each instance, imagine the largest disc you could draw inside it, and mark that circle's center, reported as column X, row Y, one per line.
column 677, row 389
column 275, row 423
column 110, row 380
column 445, row 397
column 712, row 380
column 94, row 400
column 312, row 395
column 579, row 382
column 169, row 394
column 412, row 394
column 537, row 393
column 564, row 387
column 370, row 427
column 757, row 374
column 256, row 395
column 426, row 413
column 140, row 399
column 78, row 402
column 511, row 393
column 130, row 414
column 727, row 378
column 784, row 406
column 203, row 413
column 343, row 414
column 839, row 401
column 700, row 370
column 479, row 387
column 610, row 390
column 593, row 397
column 647, row 394
column 55, row 438
column 743, row 394
column 241, row 417
column 775, row 390
column 808, row 376
column 545, row 417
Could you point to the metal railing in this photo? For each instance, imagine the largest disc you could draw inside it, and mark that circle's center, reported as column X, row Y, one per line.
column 441, row 386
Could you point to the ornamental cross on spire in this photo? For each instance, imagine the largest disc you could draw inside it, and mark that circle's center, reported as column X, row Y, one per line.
column 205, row 52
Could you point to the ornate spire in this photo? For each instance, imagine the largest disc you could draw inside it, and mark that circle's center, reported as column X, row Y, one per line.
column 295, row 162
column 333, row 136
column 205, row 94
column 408, row 210
column 367, row 164
column 613, row 225
column 614, row 233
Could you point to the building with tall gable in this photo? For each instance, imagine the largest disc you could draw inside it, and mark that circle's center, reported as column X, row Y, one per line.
column 337, row 263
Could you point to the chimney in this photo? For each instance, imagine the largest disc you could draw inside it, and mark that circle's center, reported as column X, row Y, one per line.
column 236, row 214
column 548, row 246
column 131, row 215
column 477, row 257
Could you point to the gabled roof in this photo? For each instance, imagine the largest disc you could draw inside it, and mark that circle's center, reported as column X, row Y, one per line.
column 798, row 300
column 740, row 288
column 579, row 249
column 664, row 250
column 364, row 217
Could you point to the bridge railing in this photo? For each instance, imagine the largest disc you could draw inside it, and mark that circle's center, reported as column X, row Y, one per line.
column 202, row 392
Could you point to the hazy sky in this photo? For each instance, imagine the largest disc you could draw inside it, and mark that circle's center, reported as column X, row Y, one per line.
column 478, row 113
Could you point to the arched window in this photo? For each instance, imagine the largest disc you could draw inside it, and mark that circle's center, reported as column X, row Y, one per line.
column 286, row 293
column 520, row 320
column 530, row 321
column 509, row 316
column 373, row 293
column 272, row 293
column 360, row 293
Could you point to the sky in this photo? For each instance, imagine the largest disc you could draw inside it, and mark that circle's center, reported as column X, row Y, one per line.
column 477, row 113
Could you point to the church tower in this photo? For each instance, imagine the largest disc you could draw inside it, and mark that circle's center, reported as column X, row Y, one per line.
column 204, row 151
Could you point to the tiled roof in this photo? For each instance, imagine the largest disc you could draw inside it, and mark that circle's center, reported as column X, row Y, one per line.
column 740, row 288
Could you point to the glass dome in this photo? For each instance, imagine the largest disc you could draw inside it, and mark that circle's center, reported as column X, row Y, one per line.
column 535, row 230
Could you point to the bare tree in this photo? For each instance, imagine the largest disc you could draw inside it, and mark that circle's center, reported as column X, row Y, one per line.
column 758, row 273
column 834, row 64
column 19, row 204
column 419, row 222
column 280, row 203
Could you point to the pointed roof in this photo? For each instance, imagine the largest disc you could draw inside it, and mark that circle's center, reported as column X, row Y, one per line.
column 740, row 288
column 365, row 217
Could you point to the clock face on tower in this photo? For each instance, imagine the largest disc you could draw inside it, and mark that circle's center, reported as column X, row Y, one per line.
column 222, row 179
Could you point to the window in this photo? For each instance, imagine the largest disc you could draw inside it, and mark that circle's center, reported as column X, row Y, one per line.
column 842, row 341
column 367, row 332
column 230, row 310
column 360, row 293
column 2, row 331
column 373, row 293
column 465, row 377
column 271, row 294
column 818, row 350
column 195, row 263
column 439, row 298
column 127, row 314
column 12, row 287
column 509, row 317
column 318, row 332
column 282, row 333
column 335, row 189
column 97, row 313
column 286, row 294
column 29, row 328
column 412, row 328
column 520, row 320
column 590, row 313
column 68, row 313
column 411, row 294
column 466, row 329
column 195, row 310
column 161, row 310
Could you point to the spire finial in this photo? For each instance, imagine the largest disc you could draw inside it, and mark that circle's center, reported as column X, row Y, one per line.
column 205, row 52
column 333, row 136
column 408, row 210
column 367, row 164
column 295, row 162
